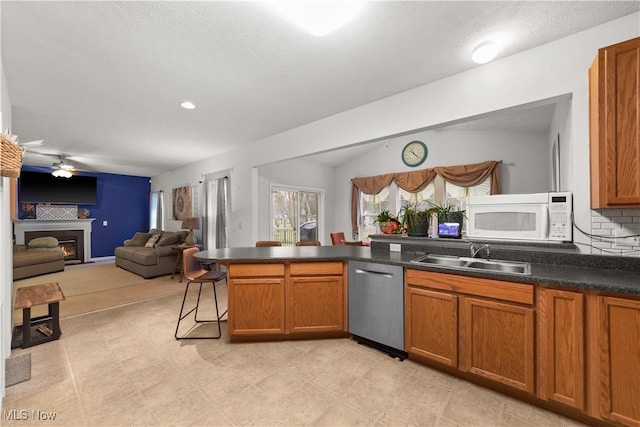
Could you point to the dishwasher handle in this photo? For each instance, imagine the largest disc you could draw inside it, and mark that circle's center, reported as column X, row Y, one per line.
column 379, row 273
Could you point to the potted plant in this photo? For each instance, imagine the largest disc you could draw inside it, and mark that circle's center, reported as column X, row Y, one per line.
column 450, row 220
column 387, row 222
column 416, row 220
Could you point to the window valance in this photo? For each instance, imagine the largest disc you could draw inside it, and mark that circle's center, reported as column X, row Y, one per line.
column 413, row 181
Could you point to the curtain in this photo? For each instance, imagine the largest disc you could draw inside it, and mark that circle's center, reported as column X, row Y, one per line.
column 215, row 213
column 413, row 181
column 156, row 210
column 473, row 174
column 368, row 185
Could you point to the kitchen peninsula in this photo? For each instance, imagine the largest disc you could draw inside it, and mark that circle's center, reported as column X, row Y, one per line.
column 565, row 337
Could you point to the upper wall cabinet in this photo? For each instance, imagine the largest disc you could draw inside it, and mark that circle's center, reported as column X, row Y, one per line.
column 614, row 82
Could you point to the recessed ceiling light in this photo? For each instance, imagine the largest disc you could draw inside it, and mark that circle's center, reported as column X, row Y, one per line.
column 318, row 17
column 484, row 53
column 188, row 105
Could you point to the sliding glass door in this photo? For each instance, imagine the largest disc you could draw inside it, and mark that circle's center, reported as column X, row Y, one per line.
column 294, row 214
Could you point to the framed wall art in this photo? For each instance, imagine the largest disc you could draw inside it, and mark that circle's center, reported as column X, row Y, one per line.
column 181, row 202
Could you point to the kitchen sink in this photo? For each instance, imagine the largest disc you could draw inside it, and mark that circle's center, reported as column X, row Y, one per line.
column 506, row 266
column 466, row 263
column 452, row 261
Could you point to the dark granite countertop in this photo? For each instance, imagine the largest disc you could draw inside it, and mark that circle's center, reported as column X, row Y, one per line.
column 579, row 271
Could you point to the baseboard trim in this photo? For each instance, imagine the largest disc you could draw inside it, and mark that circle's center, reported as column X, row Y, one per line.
column 103, row 259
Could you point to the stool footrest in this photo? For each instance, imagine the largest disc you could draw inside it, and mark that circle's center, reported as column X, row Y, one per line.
column 37, row 336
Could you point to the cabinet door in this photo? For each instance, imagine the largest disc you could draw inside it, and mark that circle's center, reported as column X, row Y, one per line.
column 256, row 306
column 562, row 373
column 316, row 304
column 614, row 81
column 496, row 342
column 619, row 359
column 431, row 325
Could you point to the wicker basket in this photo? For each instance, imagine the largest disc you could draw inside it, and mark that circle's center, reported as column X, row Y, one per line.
column 10, row 158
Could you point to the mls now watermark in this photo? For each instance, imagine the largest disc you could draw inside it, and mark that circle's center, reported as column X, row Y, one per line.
column 23, row 415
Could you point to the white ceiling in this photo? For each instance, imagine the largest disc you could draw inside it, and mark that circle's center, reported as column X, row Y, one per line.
column 101, row 82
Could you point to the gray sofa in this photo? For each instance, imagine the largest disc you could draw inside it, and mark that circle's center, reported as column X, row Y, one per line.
column 150, row 259
column 29, row 262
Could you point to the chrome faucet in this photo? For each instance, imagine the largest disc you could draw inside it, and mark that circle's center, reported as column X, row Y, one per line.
column 475, row 251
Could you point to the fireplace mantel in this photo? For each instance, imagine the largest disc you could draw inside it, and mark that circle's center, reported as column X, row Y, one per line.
column 23, row 225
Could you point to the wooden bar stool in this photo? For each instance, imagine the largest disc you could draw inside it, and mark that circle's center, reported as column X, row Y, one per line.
column 39, row 329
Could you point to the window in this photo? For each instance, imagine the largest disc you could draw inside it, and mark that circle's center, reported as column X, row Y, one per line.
column 393, row 198
column 294, row 215
column 437, row 192
column 422, row 199
column 457, row 196
column 370, row 206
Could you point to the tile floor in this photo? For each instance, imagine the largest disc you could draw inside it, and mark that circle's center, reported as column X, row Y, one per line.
column 123, row 367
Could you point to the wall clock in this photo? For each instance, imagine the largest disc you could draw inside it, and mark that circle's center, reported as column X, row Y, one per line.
column 414, row 153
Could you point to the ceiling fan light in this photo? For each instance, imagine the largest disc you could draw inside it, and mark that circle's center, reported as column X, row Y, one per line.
column 484, row 53
column 61, row 173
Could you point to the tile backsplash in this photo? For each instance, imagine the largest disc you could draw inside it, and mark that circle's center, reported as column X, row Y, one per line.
column 606, row 224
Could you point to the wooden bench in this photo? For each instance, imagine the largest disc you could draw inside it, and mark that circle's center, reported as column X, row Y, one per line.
column 40, row 329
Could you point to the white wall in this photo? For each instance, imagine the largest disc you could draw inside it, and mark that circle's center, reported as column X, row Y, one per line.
column 555, row 69
column 297, row 173
column 6, row 243
column 561, row 125
column 525, row 156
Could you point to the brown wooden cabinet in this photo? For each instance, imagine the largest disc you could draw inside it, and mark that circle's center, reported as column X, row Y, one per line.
column 256, row 299
column 561, row 346
column 497, row 342
column 431, row 325
column 483, row 327
column 618, row 348
column 279, row 299
column 614, row 108
column 316, row 297
column 578, row 350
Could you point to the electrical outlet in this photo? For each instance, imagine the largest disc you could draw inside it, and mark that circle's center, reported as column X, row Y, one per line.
column 395, row 247
column 628, row 241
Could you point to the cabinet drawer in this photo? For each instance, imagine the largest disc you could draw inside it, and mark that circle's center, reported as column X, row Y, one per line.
column 515, row 292
column 256, row 270
column 315, row 268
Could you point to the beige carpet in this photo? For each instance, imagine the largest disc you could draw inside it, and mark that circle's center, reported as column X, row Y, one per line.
column 98, row 286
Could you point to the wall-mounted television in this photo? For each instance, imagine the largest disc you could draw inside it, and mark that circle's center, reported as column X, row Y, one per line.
column 38, row 187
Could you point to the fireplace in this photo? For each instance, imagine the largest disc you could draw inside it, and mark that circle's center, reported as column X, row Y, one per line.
column 70, row 241
column 51, row 227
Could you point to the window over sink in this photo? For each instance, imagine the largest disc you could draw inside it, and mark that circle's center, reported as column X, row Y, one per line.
column 393, row 198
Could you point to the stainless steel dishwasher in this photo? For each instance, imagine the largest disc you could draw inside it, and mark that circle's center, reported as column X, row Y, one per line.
column 376, row 306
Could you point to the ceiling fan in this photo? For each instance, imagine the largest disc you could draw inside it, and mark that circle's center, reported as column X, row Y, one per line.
column 14, row 138
column 64, row 166
column 34, row 143
column 62, row 169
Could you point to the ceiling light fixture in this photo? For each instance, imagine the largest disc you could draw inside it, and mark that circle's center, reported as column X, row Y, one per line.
column 484, row 53
column 61, row 173
column 318, row 17
column 187, row 105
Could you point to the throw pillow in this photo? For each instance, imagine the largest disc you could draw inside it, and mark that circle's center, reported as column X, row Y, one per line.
column 182, row 235
column 139, row 239
column 43, row 242
column 169, row 238
column 153, row 240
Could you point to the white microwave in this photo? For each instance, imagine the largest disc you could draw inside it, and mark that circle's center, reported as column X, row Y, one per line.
column 535, row 217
